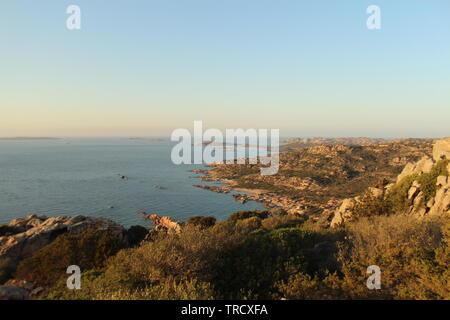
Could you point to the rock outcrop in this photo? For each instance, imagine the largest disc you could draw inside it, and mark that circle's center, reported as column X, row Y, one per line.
column 165, row 223
column 441, row 149
column 418, row 203
column 21, row 238
column 19, row 290
column 13, row 293
column 441, row 202
column 343, row 213
column 424, row 165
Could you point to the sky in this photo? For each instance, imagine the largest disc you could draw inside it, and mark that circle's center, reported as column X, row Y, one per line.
column 143, row 68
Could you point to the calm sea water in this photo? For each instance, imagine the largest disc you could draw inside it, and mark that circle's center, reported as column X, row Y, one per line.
column 81, row 176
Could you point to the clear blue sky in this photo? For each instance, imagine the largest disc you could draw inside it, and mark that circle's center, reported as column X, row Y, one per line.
column 147, row 67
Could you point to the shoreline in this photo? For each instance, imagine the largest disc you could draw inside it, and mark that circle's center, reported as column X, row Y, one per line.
column 269, row 199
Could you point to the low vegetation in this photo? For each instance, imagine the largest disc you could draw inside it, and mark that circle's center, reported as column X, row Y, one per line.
column 88, row 250
column 255, row 255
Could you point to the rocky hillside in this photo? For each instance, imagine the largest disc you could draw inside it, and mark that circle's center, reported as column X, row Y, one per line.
column 316, row 178
column 22, row 238
column 298, row 143
column 421, row 189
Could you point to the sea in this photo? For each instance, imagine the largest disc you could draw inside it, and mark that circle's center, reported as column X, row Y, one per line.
column 83, row 176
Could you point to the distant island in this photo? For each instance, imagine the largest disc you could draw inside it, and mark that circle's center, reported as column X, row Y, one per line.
column 29, row 138
column 150, row 139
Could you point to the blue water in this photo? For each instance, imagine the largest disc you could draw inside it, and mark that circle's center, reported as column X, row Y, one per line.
column 81, row 176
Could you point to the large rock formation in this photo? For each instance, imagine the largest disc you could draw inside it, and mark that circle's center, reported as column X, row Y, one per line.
column 424, row 165
column 418, row 204
column 165, row 223
column 441, row 149
column 343, row 213
column 21, row 238
column 441, row 202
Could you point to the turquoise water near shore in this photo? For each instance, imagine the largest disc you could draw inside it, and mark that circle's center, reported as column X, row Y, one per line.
column 74, row 176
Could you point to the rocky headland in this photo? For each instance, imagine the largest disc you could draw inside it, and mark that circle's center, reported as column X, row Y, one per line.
column 317, row 174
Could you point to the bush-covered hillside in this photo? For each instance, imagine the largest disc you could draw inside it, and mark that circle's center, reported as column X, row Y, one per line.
column 258, row 255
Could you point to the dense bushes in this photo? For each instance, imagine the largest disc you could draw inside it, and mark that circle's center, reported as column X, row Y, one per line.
column 241, row 215
column 172, row 257
column 428, row 180
column 259, row 256
column 225, row 261
column 402, row 247
column 277, row 220
column 88, row 250
column 387, row 242
column 369, row 205
column 200, row 221
column 252, row 269
column 175, row 265
column 413, row 256
column 398, row 194
column 136, row 234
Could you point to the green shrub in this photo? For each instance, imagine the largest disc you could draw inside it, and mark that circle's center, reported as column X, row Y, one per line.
column 203, row 222
column 251, row 269
column 136, row 234
column 397, row 196
column 281, row 221
column 240, row 215
column 428, row 180
column 173, row 257
column 368, row 205
column 87, row 250
column 250, row 224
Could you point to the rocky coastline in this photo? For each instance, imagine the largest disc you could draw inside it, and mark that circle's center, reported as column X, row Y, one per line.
column 268, row 199
column 411, row 156
column 21, row 238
